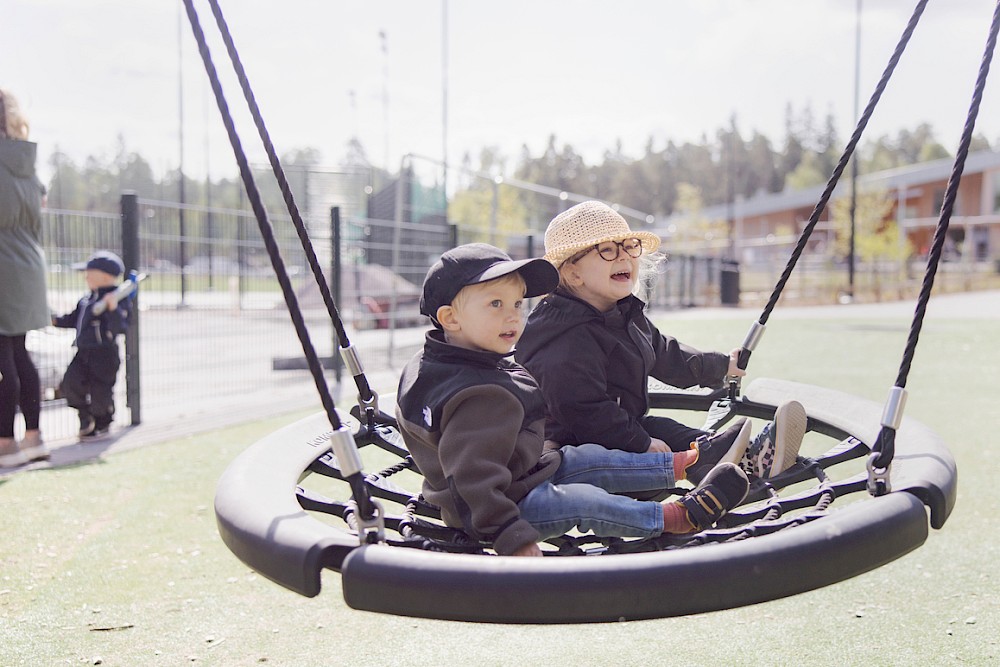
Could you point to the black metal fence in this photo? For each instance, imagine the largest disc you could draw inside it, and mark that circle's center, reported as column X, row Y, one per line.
column 212, row 341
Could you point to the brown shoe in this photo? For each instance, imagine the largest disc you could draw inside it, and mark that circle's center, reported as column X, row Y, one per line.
column 32, row 446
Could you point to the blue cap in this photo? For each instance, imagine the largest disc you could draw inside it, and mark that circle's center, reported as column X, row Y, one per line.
column 106, row 261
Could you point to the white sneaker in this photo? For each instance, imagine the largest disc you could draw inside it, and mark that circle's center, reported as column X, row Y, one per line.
column 776, row 447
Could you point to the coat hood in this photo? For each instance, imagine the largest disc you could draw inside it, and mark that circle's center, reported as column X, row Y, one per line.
column 561, row 311
column 18, row 157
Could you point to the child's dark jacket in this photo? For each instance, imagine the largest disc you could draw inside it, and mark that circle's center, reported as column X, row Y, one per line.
column 94, row 331
column 473, row 422
column 593, row 369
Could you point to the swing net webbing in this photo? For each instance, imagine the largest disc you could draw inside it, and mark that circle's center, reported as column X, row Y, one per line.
column 418, row 523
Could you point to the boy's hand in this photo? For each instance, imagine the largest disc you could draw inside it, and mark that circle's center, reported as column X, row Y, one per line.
column 110, row 302
column 657, row 445
column 530, row 549
column 734, row 369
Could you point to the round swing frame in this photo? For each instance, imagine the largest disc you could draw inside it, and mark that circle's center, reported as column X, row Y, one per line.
column 264, row 515
column 261, row 517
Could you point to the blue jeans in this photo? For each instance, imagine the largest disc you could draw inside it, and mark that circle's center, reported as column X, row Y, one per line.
column 582, row 493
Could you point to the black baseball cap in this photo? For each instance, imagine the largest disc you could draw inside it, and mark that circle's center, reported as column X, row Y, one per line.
column 477, row 263
column 103, row 260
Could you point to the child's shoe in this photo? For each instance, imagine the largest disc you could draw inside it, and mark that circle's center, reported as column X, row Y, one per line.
column 723, row 488
column 776, row 447
column 101, row 426
column 87, row 425
column 727, row 446
column 10, row 454
column 32, row 446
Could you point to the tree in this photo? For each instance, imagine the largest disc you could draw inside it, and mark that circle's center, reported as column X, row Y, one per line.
column 810, row 172
column 698, row 230
column 877, row 236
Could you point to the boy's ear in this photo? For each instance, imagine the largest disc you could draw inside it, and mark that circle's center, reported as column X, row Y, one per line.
column 445, row 316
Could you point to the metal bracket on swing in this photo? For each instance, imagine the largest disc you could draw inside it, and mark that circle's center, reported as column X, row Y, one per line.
column 879, row 482
column 353, row 363
column 349, row 461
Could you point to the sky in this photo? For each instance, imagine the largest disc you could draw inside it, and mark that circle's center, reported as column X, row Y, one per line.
column 427, row 77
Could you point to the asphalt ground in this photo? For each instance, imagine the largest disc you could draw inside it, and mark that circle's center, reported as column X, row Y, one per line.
column 182, row 412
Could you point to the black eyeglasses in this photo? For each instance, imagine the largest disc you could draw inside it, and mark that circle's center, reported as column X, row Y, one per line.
column 609, row 250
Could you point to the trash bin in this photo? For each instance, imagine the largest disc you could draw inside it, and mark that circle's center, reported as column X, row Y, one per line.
column 729, row 282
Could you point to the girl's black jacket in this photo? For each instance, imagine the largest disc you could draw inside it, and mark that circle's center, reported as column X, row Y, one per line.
column 593, row 368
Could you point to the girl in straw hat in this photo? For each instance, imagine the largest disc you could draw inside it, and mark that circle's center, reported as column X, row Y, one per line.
column 592, row 349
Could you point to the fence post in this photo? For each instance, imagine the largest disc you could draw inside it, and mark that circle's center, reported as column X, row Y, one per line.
column 335, row 286
column 130, row 255
column 692, row 277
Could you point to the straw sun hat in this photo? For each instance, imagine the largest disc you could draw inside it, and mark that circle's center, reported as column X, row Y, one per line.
column 586, row 225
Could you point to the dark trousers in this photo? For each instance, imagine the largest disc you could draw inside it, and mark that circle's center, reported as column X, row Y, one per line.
column 20, row 386
column 89, row 383
column 678, row 436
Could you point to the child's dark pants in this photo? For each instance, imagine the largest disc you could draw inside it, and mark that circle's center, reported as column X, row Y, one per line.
column 90, row 381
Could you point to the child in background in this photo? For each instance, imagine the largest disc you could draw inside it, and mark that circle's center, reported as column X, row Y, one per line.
column 472, row 420
column 592, row 349
column 89, row 382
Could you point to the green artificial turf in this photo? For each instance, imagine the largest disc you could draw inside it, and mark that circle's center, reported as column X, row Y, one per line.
column 118, row 562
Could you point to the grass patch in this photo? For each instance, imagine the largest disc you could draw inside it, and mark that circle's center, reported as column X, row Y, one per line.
column 118, row 562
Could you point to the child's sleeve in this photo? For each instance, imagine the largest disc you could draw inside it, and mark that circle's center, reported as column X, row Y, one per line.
column 67, row 321
column 683, row 366
column 479, row 433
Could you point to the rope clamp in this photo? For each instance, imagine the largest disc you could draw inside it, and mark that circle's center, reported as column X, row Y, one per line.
column 351, row 360
column 892, row 414
column 348, row 458
column 754, row 335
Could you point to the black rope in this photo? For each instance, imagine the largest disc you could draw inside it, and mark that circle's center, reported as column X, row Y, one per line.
column 844, row 159
column 885, row 444
column 286, row 192
column 266, row 230
column 837, row 172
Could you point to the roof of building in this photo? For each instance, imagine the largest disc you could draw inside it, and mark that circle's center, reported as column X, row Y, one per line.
column 889, row 179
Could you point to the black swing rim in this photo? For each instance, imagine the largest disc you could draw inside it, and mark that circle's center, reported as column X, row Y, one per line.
column 263, row 524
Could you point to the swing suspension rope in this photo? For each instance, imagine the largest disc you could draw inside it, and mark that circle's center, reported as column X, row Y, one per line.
column 364, row 513
column 342, row 442
column 883, row 449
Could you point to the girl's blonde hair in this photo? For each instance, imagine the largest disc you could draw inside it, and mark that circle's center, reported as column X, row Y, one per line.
column 12, row 124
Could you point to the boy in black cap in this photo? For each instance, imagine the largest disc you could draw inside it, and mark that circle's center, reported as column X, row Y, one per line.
column 89, row 382
column 473, row 421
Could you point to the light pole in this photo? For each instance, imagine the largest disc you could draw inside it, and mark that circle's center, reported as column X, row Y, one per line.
column 854, row 158
column 444, row 105
column 180, row 169
column 385, row 96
